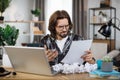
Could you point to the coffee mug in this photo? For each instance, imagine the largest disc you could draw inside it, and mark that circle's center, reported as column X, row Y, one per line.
column 99, row 63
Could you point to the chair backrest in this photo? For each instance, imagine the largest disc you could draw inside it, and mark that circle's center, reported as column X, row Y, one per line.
column 99, row 50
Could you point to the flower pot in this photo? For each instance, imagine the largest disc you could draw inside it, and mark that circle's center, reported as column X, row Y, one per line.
column 36, row 18
column 5, row 60
column 1, row 18
column 99, row 63
column 107, row 66
column 105, row 3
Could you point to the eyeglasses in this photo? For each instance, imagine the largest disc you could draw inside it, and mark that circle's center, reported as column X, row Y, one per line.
column 63, row 26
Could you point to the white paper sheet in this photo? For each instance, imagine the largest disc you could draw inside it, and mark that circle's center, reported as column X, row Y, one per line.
column 77, row 49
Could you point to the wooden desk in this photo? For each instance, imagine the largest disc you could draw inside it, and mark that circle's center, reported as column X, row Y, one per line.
column 20, row 76
column 80, row 76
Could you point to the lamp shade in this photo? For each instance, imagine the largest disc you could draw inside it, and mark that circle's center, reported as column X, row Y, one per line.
column 105, row 30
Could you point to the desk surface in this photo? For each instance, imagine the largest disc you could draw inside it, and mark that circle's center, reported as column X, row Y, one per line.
column 79, row 76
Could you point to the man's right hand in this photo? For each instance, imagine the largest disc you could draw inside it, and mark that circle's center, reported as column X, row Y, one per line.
column 51, row 55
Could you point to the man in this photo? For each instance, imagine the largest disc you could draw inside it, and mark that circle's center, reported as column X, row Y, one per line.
column 58, row 43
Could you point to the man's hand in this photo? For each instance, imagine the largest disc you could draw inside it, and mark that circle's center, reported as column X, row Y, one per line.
column 51, row 55
column 88, row 57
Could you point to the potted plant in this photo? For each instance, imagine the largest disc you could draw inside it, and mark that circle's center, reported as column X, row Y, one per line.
column 107, row 64
column 4, row 4
column 1, row 41
column 36, row 12
column 8, row 36
column 1, row 37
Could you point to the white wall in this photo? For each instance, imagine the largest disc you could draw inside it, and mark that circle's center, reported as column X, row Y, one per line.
column 17, row 11
column 114, row 3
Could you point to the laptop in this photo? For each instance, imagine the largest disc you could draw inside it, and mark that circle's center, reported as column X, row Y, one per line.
column 29, row 60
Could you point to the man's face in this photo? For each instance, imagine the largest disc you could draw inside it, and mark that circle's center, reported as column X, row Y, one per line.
column 62, row 28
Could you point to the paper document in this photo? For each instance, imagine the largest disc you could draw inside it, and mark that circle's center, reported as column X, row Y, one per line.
column 77, row 49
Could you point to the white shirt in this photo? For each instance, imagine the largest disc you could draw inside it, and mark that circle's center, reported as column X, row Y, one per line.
column 61, row 43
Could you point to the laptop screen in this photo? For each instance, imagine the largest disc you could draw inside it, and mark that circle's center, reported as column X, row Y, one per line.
column 29, row 59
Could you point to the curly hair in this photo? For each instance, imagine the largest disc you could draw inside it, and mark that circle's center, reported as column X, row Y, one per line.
column 53, row 21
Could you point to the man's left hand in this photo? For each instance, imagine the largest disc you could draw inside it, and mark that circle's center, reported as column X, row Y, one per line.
column 88, row 57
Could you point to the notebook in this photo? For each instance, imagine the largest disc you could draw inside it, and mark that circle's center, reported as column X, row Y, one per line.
column 100, row 73
column 112, row 73
column 29, row 60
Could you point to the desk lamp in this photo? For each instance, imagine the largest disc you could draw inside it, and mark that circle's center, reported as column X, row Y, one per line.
column 105, row 30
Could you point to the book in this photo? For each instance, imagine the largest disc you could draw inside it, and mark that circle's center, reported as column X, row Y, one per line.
column 93, row 74
column 100, row 74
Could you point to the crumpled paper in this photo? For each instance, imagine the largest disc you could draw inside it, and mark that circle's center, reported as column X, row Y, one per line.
column 74, row 68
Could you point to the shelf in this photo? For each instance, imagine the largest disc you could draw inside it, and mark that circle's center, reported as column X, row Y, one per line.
column 22, row 21
column 42, row 22
column 27, row 34
column 105, row 8
column 104, row 39
column 97, row 23
column 39, row 34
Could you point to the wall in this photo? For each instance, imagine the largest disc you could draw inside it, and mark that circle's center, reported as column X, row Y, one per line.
column 114, row 3
column 17, row 11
